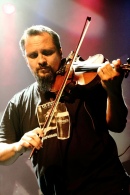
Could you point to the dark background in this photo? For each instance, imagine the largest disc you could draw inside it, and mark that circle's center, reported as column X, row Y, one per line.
column 108, row 34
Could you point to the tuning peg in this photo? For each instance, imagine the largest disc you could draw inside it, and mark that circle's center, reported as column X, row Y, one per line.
column 128, row 60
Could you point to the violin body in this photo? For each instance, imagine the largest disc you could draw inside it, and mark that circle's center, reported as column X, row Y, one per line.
column 79, row 73
column 86, row 71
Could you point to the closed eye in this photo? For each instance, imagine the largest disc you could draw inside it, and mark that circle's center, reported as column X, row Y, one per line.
column 32, row 55
column 48, row 52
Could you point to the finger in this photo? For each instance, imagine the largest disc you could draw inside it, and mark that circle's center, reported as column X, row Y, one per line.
column 25, row 144
column 31, row 139
column 116, row 63
column 39, row 132
column 37, row 143
column 105, row 70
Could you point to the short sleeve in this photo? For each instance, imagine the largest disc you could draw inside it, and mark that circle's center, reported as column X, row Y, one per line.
column 9, row 125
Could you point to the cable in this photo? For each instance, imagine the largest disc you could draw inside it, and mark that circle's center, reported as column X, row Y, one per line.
column 124, row 151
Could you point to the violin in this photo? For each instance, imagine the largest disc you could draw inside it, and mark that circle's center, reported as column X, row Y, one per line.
column 84, row 71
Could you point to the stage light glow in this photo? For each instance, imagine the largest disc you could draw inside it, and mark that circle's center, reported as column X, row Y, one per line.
column 8, row 8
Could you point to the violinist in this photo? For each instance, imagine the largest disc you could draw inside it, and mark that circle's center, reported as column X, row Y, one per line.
column 87, row 162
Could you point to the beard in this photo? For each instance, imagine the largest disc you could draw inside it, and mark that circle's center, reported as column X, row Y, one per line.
column 45, row 83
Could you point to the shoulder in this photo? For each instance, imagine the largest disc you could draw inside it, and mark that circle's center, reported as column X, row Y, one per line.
column 25, row 94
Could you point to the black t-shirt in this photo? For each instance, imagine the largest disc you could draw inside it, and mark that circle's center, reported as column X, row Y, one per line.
column 87, row 162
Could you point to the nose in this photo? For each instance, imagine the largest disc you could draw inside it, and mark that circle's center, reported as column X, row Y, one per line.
column 41, row 60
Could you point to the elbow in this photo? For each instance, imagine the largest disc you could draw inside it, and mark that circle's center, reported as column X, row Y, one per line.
column 118, row 124
column 118, row 127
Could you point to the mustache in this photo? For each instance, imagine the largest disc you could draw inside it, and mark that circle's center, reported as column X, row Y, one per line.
column 44, row 65
column 47, row 67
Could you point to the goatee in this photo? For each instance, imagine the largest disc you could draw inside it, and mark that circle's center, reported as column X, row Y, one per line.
column 45, row 83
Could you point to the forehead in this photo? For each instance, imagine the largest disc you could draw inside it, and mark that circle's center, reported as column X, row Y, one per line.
column 43, row 40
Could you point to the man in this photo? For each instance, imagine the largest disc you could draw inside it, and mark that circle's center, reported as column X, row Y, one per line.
column 85, row 163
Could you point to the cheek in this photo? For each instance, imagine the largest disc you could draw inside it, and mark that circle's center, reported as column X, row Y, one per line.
column 56, row 63
column 31, row 64
column 31, row 68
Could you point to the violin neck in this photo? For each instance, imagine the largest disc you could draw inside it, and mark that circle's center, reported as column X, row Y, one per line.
column 94, row 67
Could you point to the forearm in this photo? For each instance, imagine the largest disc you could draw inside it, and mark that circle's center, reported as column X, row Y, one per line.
column 9, row 153
column 111, row 80
column 116, row 112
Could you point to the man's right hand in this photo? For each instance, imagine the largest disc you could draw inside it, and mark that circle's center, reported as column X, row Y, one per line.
column 10, row 152
column 30, row 139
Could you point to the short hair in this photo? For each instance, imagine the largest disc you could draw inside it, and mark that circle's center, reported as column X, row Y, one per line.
column 37, row 30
